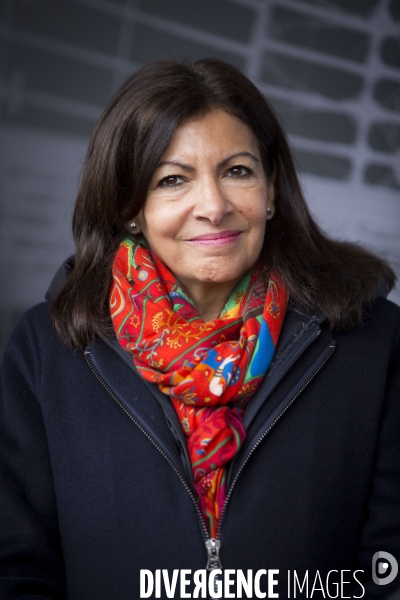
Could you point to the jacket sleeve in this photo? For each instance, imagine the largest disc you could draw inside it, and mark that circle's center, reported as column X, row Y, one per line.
column 31, row 564
column 382, row 526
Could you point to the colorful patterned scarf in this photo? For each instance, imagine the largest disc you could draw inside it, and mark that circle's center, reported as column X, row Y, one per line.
column 210, row 370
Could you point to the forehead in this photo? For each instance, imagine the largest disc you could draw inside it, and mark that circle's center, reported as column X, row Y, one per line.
column 216, row 132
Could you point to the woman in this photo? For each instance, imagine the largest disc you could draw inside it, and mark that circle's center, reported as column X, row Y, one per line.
column 217, row 383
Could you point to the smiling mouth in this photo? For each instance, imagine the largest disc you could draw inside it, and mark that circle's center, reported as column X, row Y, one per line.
column 216, row 239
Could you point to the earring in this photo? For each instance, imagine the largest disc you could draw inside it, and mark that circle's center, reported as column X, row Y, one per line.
column 134, row 227
column 269, row 211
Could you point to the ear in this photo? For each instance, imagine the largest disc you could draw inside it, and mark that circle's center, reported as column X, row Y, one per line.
column 134, row 226
column 270, row 197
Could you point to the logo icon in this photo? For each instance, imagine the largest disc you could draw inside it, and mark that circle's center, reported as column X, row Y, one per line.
column 381, row 561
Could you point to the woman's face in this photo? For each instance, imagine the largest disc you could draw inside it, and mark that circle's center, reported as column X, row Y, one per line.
column 206, row 208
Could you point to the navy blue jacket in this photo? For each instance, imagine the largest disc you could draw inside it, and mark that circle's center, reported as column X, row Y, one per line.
column 95, row 482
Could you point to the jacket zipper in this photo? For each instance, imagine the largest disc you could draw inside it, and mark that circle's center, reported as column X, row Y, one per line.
column 213, row 545
column 331, row 349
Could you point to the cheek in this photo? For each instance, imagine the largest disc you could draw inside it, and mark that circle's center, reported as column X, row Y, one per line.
column 159, row 240
column 159, row 224
column 254, row 205
column 256, row 212
column 257, row 218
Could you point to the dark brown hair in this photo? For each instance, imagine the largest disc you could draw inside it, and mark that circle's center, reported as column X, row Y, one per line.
column 128, row 142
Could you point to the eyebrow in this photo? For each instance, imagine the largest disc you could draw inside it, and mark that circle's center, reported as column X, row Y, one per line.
column 175, row 164
column 244, row 153
column 223, row 162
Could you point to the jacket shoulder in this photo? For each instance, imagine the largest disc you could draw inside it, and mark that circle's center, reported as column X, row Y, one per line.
column 384, row 313
column 35, row 323
column 35, row 342
column 378, row 338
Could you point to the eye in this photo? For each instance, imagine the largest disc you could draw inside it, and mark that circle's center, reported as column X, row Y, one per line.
column 239, row 171
column 170, row 181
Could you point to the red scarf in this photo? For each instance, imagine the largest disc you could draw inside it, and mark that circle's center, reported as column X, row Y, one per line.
column 209, row 370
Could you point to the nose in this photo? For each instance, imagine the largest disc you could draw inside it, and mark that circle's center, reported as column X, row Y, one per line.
column 211, row 202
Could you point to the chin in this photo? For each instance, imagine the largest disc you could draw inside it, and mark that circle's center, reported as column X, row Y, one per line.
column 232, row 277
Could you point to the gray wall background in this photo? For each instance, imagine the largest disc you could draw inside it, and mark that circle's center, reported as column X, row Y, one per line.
column 330, row 67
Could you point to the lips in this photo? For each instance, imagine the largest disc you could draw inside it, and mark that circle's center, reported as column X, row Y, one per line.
column 216, row 236
column 220, row 238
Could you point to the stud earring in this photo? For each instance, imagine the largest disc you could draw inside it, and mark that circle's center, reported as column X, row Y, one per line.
column 134, row 227
column 269, row 211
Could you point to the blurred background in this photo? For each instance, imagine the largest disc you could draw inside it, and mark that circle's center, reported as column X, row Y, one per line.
column 330, row 67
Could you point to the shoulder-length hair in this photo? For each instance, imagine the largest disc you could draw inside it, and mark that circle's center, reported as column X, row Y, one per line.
column 128, row 142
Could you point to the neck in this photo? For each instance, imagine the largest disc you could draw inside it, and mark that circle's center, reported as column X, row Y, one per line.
column 209, row 298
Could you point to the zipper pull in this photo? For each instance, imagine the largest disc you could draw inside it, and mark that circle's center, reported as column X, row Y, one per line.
column 213, row 561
